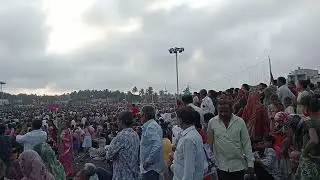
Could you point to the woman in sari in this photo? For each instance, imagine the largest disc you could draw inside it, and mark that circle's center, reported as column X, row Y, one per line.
column 49, row 158
column 32, row 166
column 274, row 107
column 255, row 116
column 65, row 141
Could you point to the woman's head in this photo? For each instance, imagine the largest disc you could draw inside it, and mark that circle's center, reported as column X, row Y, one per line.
column 268, row 141
column 274, row 99
column 32, row 166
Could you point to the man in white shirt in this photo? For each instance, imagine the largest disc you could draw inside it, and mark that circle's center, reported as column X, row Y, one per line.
column 187, row 101
column 229, row 137
column 283, row 91
column 33, row 138
column 206, row 104
column 188, row 161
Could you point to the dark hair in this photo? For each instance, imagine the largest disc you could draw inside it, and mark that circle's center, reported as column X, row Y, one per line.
column 133, row 105
column 126, row 118
column 36, row 124
column 197, row 119
column 187, row 99
column 303, row 84
column 312, row 87
column 203, row 92
column 186, row 114
column 246, row 87
column 282, row 80
column 149, row 112
column 314, row 104
column 2, row 129
column 263, row 85
column 269, row 138
column 207, row 117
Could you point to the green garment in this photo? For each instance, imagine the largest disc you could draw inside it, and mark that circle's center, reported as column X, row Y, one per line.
column 50, row 160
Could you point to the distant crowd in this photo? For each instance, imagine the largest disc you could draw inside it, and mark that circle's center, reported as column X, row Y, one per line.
column 253, row 132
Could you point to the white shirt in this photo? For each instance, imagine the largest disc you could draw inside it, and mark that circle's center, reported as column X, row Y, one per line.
column 189, row 156
column 176, row 133
column 199, row 110
column 83, row 120
column 31, row 139
column 207, row 105
column 284, row 92
column 232, row 145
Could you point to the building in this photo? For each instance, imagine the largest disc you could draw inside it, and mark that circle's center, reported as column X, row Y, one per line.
column 304, row 74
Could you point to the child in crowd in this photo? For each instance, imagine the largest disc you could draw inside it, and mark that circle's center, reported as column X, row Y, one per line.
column 265, row 160
column 288, row 104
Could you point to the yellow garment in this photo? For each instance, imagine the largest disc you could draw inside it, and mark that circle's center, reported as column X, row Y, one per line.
column 167, row 149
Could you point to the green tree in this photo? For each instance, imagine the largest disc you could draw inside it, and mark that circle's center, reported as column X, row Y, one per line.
column 186, row 91
column 134, row 90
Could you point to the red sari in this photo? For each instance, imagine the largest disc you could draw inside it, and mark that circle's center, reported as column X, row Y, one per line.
column 65, row 151
column 256, row 116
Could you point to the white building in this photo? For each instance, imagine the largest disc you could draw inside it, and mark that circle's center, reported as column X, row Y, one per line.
column 304, row 74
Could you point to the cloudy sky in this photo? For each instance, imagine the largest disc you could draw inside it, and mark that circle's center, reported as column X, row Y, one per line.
column 56, row 46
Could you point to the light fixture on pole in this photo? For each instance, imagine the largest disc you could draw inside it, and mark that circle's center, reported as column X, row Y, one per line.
column 175, row 51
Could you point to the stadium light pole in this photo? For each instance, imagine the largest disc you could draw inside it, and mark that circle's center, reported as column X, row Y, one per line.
column 1, row 91
column 176, row 50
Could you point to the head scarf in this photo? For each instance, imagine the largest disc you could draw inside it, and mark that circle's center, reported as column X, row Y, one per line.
column 267, row 93
column 253, row 104
column 50, row 160
column 32, row 166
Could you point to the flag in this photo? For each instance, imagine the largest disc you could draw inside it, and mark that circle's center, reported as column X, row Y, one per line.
column 271, row 75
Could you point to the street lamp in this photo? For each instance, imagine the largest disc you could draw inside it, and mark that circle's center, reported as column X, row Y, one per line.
column 1, row 84
column 175, row 51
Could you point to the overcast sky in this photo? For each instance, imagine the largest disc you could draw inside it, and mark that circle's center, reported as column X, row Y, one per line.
column 55, row 46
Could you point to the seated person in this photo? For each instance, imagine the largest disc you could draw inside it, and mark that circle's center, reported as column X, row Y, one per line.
column 265, row 163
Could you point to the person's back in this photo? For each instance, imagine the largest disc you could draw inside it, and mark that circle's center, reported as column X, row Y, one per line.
column 33, row 138
column 129, row 154
column 5, row 147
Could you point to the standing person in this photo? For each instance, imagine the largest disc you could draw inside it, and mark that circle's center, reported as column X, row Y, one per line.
column 189, row 156
column 52, row 134
column 283, row 91
column 33, row 138
column 87, row 141
column 196, row 100
column 206, row 104
column 302, row 87
column 65, row 142
column 187, row 101
column 124, row 150
column 229, row 137
column 256, row 117
column 274, row 107
column 5, row 147
column 151, row 150
column 309, row 163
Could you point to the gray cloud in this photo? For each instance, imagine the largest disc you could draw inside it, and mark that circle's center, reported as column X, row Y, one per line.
column 222, row 45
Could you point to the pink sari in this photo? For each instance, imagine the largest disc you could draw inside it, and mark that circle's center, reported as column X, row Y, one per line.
column 65, row 151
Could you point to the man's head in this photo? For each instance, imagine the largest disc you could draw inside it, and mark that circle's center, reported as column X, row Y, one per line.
column 281, row 81
column 212, row 94
column 203, row 93
column 225, row 109
column 147, row 113
column 186, row 117
column 125, row 119
column 187, row 99
column 245, row 87
column 36, row 124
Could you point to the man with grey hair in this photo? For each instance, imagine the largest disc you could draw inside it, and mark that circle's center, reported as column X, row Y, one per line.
column 151, row 152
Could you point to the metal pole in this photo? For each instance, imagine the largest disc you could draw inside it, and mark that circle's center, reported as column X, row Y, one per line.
column 177, row 73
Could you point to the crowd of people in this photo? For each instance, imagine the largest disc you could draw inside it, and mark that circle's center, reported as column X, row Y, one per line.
column 253, row 132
